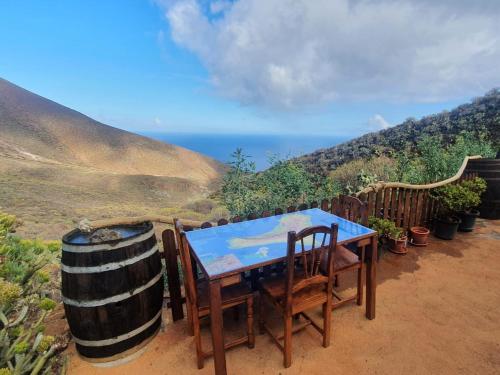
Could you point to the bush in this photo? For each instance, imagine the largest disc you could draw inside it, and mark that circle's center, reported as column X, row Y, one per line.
column 355, row 175
column 385, row 228
column 435, row 161
column 283, row 184
column 455, row 198
column 24, row 304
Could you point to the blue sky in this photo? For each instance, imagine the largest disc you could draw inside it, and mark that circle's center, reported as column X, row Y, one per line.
column 187, row 66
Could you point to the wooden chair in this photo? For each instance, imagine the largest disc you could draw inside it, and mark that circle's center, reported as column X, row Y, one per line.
column 349, row 258
column 199, row 304
column 302, row 288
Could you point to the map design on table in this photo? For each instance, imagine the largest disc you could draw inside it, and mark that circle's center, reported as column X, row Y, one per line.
column 278, row 234
column 235, row 246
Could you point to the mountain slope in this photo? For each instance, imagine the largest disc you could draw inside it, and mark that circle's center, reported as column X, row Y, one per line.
column 58, row 166
column 481, row 113
column 32, row 127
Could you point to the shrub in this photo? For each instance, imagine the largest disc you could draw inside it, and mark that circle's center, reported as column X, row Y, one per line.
column 454, row 198
column 385, row 228
column 435, row 161
column 284, row 183
column 203, row 206
column 23, row 303
column 355, row 175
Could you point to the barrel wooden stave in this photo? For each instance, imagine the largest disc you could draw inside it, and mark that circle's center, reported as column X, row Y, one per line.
column 112, row 293
column 102, row 284
column 115, row 319
column 97, row 258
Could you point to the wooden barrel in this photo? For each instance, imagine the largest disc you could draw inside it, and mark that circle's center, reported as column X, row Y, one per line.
column 112, row 291
column 489, row 169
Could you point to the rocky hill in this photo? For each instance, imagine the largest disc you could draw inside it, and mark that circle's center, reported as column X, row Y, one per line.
column 481, row 113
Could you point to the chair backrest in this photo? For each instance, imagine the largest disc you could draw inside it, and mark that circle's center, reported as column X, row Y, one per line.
column 350, row 208
column 313, row 247
column 189, row 280
column 178, row 229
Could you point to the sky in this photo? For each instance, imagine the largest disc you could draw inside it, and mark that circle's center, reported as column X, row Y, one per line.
column 336, row 67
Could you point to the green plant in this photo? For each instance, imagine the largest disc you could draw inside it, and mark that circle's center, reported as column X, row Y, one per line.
column 24, row 305
column 357, row 174
column 284, row 183
column 385, row 228
column 463, row 196
column 432, row 160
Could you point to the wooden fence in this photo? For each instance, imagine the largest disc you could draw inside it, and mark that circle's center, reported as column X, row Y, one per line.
column 405, row 204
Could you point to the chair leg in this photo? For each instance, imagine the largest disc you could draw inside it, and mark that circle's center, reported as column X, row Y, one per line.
column 251, row 335
column 197, row 340
column 189, row 313
column 287, row 352
column 361, row 281
column 261, row 315
column 327, row 322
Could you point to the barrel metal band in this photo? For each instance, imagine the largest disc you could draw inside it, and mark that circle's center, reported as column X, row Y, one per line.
column 106, row 246
column 110, row 266
column 119, row 338
column 115, row 298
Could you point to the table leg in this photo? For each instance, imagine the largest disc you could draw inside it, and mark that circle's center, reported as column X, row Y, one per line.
column 371, row 279
column 217, row 328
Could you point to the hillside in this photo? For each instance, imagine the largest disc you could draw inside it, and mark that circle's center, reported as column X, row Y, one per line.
column 482, row 112
column 32, row 127
column 58, row 166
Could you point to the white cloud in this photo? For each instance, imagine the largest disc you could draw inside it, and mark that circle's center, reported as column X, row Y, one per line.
column 157, row 121
column 377, row 122
column 296, row 53
column 219, row 6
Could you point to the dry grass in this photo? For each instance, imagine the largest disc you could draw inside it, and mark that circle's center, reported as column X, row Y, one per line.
column 49, row 199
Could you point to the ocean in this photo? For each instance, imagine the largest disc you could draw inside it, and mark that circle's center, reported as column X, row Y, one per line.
column 258, row 147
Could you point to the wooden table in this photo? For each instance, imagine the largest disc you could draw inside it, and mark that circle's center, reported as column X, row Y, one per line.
column 224, row 252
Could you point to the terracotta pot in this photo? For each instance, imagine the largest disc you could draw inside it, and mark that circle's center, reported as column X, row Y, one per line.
column 419, row 236
column 398, row 246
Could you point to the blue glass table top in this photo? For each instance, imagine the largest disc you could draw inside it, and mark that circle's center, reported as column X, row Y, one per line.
column 232, row 247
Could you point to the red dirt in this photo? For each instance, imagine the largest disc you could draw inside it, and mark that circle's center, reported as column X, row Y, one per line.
column 437, row 313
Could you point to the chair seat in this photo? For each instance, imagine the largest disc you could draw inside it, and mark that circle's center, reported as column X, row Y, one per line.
column 230, row 295
column 274, row 287
column 344, row 258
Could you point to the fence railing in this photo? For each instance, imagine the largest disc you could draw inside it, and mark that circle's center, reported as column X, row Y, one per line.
column 408, row 205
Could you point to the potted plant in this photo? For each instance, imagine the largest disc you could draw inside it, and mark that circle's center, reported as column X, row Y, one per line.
column 455, row 202
column 472, row 199
column 419, row 236
column 397, row 240
column 394, row 238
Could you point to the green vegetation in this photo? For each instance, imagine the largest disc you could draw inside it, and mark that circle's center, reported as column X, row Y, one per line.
column 25, row 287
column 482, row 113
column 355, row 175
column 432, row 160
column 284, row 184
column 455, row 198
column 385, row 228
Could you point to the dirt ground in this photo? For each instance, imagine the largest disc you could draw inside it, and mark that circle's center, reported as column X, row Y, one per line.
column 438, row 312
